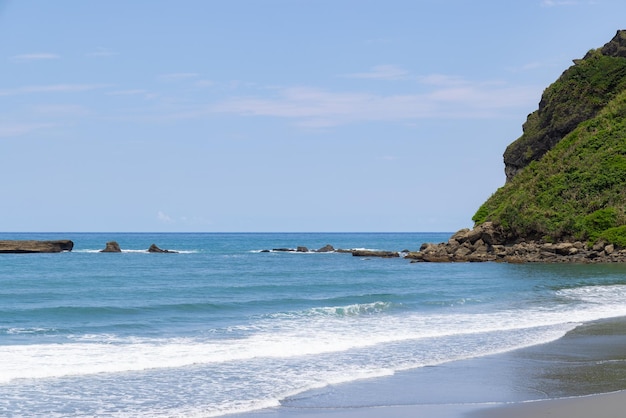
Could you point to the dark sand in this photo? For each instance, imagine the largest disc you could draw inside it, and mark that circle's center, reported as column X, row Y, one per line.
column 548, row 380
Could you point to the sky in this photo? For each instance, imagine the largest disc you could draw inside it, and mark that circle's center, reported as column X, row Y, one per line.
column 272, row 115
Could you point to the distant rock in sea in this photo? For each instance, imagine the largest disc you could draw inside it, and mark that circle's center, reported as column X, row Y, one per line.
column 112, row 247
column 31, row 246
column 154, row 249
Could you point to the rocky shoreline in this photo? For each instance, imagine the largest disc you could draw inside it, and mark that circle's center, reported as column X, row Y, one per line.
column 488, row 243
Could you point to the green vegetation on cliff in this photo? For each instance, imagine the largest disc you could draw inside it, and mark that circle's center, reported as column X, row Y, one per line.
column 576, row 188
column 578, row 95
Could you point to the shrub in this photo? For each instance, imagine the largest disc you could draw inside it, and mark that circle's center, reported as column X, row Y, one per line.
column 615, row 236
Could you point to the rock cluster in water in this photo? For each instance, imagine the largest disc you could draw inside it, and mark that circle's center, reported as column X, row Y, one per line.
column 114, row 247
column 329, row 248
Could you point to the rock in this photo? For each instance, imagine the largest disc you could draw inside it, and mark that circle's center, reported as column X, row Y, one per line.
column 461, row 235
column 599, row 246
column 564, row 248
column 462, row 252
column 371, row 253
column 284, row 250
column 154, row 249
column 112, row 247
column 341, row 250
column 33, row 246
column 326, row 249
column 302, row 249
column 487, row 243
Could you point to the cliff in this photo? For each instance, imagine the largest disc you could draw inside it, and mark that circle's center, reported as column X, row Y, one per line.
column 579, row 94
column 565, row 194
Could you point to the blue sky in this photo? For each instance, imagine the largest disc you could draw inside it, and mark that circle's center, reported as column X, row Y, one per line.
column 272, row 115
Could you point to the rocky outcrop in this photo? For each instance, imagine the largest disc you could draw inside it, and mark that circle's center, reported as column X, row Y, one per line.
column 374, row 253
column 154, row 249
column 488, row 243
column 329, row 248
column 112, row 247
column 32, row 246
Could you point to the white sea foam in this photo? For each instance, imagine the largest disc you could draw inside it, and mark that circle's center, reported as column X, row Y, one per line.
column 131, row 251
column 314, row 332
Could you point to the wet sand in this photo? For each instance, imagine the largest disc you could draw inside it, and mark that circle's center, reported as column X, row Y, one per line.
column 552, row 380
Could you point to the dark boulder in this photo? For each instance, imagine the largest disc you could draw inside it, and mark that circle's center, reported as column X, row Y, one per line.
column 154, row 249
column 112, row 247
column 326, row 249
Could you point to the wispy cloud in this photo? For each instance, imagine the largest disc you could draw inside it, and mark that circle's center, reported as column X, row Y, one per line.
column 8, row 130
column 450, row 98
column 553, row 3
column 146, row 94
column 164, row 217
column 382, row 72
column 130, row 92
column 184, row 221
column 40, row 56
column 52, row 88
column 177, row 76
column 204, row 83
column 442, row 80
column 101, row 52
column 61, row 110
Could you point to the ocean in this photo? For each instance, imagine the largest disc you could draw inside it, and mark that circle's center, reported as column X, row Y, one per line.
column 223, row 327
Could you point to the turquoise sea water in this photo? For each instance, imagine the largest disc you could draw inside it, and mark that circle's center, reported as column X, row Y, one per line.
column 222, row 327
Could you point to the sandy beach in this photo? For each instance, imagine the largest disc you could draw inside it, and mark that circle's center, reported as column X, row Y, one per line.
column 580, row 375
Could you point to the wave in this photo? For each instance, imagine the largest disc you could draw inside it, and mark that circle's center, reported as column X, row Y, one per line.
column 28, row 331
column 284, row 353
column 352, row 310
column 94, row 251
column 601, row 295
column 287, row 250
column 313, row 332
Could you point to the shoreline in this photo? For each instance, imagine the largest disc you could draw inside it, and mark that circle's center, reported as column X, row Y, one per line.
column 579, row 375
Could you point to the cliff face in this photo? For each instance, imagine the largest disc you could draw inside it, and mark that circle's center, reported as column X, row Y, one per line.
column 578, row 95
column 566, row 175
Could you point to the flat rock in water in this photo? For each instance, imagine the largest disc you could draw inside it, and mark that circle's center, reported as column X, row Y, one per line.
column 154, row 249
column 33, row 246
column 371, row 253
